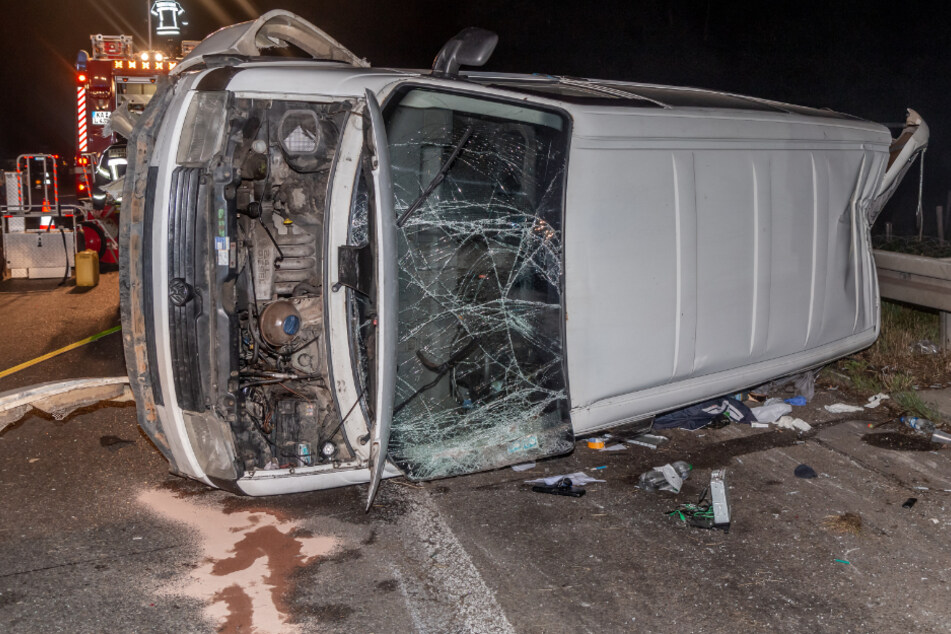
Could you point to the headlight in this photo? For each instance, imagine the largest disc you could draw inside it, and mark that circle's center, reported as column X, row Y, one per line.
column 204, row 128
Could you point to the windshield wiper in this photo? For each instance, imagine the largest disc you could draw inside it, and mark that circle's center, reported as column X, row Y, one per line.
column 440, row 175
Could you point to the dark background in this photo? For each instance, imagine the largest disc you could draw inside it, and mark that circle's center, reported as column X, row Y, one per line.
column 870, row 59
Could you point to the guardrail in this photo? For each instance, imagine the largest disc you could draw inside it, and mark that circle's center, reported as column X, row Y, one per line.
column 919, row 280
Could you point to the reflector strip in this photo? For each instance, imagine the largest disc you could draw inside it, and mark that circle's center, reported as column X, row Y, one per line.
column 81, row 119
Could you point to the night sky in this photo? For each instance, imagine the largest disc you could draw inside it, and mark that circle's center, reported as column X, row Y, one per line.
column 865, row 58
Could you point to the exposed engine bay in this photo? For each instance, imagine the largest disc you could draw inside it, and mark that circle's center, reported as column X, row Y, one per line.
column 282, row 157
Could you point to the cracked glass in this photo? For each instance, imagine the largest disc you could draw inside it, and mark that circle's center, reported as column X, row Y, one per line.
column 479, row 189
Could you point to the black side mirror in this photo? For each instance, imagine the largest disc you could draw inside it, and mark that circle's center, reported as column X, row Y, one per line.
column 472, row 46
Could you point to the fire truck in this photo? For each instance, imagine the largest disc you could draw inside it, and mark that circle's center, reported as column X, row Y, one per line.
column 112, row 76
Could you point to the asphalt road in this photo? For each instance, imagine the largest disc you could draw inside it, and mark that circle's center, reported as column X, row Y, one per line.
column 96, row 536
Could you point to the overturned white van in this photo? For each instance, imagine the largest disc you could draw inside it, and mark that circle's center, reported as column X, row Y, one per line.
column 333, row 273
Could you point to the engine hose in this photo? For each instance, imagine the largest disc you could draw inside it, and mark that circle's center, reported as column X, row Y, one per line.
column 305, row 288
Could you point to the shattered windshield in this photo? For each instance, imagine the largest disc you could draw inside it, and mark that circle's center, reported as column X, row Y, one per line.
column 480, row 379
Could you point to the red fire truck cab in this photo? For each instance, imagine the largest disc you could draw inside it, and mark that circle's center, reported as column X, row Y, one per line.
column 112, row 76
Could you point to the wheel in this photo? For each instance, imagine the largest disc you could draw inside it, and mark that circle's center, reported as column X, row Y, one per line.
column 94, row 238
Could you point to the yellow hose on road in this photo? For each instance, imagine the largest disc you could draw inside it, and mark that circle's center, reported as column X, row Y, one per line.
column 50, row 355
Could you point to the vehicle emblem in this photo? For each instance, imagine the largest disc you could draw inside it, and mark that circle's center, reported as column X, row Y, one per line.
column 180, row 291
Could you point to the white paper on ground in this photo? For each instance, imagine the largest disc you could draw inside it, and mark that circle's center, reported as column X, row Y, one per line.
column 842, row 408
column 875, row 401
column 788, row 422
column 525, row 466
column 577, row 479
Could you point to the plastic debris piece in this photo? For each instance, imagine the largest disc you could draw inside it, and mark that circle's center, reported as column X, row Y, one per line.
column 669, row 477
column 925, row 346
column 789, row 422
column 805, row 471
column 525, row 466
column 798, row 401
column 920, row 425
column 941, row 436
column 647, row 440
column 595, row 444
column 720, row 499
column 564, row 486
column 771, row 410
column 577, row 479
column 615, row 447
column 842, row 408
column 843, row 561
column 804, row 383
column 875, row 401
column 910, row 502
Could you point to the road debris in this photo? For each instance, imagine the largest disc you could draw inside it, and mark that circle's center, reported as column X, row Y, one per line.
column 710, row 514
column 875, row 401
column 772, row 410
column 651, row 441
column 578, row 478
column 843, row 408
column 910, row 502
column 805, row 472
column 669, row 477
column 61, row 398
column 790, row 422
column 803, row 383
column 925, row 346
column 715, row 413
column 850, row 523
column 941, row 436
column 525, row 466
column 920, row 425
column 564, row 486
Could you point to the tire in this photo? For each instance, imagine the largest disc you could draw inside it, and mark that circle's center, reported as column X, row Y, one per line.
column 94, row 238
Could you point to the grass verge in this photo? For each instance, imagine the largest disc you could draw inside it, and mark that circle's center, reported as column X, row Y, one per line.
column 904, row 359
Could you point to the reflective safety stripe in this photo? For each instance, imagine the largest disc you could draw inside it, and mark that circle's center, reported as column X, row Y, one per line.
column 81, row 119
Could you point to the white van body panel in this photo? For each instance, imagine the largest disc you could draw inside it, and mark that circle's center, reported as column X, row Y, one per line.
column 710, row 252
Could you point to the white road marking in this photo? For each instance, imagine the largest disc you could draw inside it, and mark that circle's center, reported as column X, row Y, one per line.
column 450, row 594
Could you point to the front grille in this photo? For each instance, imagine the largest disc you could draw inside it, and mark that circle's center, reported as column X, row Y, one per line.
column 185, row 273
column 148, row 288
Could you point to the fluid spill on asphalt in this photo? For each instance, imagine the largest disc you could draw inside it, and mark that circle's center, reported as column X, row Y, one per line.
column 248, row 560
